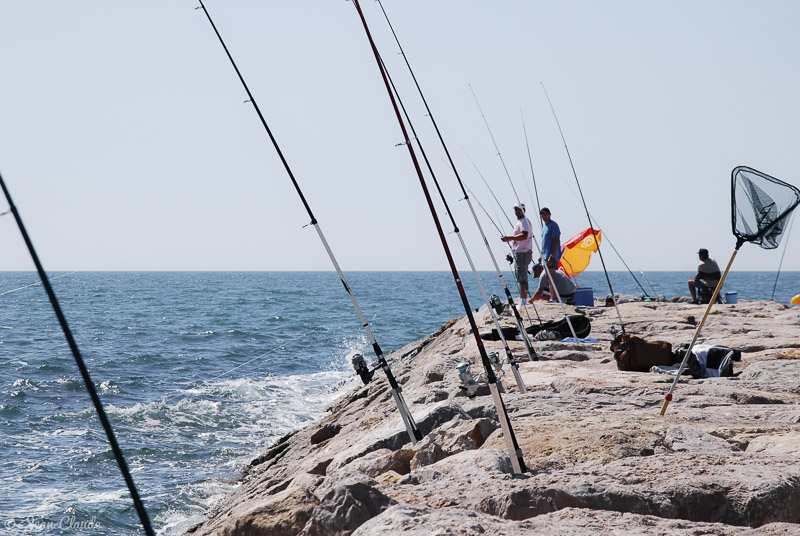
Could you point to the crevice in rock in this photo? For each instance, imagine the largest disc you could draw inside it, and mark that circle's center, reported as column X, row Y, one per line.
column 325, row 433
column 277, row 450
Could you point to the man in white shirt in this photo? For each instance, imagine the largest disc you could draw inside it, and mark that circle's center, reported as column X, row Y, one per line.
column 522, row 247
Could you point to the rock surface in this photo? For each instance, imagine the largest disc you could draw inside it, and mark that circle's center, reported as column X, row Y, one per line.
column 600, row 458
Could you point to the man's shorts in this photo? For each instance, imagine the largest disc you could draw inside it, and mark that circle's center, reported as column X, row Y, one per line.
column 521, row 261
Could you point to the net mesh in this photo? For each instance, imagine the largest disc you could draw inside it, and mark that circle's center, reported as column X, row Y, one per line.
column 761, row 206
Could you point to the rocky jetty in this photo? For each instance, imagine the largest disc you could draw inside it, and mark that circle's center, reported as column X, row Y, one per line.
column 724, row 460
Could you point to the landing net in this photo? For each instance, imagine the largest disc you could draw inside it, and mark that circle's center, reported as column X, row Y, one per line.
column 760, row 207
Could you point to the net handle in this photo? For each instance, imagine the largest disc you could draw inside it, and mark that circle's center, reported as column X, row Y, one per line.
column 668, row 396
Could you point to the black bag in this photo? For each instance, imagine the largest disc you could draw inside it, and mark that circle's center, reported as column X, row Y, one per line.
column 638, row 355
column 582, row 325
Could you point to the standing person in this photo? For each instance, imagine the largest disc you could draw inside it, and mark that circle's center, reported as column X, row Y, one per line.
column 708, row 271
column 522, row 247
column 551, row 241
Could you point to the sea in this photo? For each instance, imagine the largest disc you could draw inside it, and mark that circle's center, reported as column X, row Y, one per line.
column 199, row 372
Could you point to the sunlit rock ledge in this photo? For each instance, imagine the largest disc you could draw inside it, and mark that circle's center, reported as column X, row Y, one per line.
column 724, row 460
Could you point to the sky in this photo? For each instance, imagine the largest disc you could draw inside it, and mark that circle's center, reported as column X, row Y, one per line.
column 126, row 143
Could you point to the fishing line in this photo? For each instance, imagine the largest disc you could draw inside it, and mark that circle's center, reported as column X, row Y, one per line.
column 35, row 284
column 411, row 426
column 494, row 142
column 272, row 351
column 785, row 247
column 515, row 453
column 87, row 380
column 528, row 348
column 509, row 354
column 599, row 251
column 530, row 159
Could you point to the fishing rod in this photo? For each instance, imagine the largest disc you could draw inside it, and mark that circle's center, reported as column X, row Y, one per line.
column 494, row 142
column 622, row 260
column 527, row 186
column 655, row 293
column 599, row 251
column 530, row 159
column 518, row 318
column 549, row 275
column 785, row 247
column 509, row 354
column 607, row 239
column 510, row 224
column 510, row 255
column 515, row 453
column 144, row 519
column 359, row 363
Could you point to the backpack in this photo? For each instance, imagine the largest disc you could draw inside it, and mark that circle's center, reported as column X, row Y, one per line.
column 635, row 354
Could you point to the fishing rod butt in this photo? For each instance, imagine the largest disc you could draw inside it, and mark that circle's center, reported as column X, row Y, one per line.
column 667, row 399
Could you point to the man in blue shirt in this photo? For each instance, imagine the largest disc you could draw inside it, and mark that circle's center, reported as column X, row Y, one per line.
column 551, row 240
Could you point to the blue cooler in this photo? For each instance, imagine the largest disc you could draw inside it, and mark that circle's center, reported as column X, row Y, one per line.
column 584, row 296
column 731, row 297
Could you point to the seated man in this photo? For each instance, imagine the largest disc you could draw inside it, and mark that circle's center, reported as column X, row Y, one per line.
column 565, row 286
column 708, row 271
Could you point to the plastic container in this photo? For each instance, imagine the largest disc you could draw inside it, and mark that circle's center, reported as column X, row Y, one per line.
column 731, row 297
column 584, row 296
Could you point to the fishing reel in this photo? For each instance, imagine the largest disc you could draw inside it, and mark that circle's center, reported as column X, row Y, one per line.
column 494, row 359
column 509, row 258
column 467, row 380
column 361, row 368
column 496, row 303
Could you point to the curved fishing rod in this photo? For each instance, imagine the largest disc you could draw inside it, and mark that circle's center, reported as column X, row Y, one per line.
column 414, row 433
column 144, row 519
column 509, row 353
column 485, row 122
column 515, row 453
column 619, row 255
column 599, row 251
column 785, row 247
column 518, row 318
column 530, row 159
column 605, row 235
column 608, row 240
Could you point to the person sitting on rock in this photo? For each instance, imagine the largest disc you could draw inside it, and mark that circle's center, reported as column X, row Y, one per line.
column 564, row 285
column 708, row 272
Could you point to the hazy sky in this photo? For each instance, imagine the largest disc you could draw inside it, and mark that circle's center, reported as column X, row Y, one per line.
column 126, row 143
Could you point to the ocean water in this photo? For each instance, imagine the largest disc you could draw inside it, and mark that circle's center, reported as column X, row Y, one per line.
column 199, row 372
